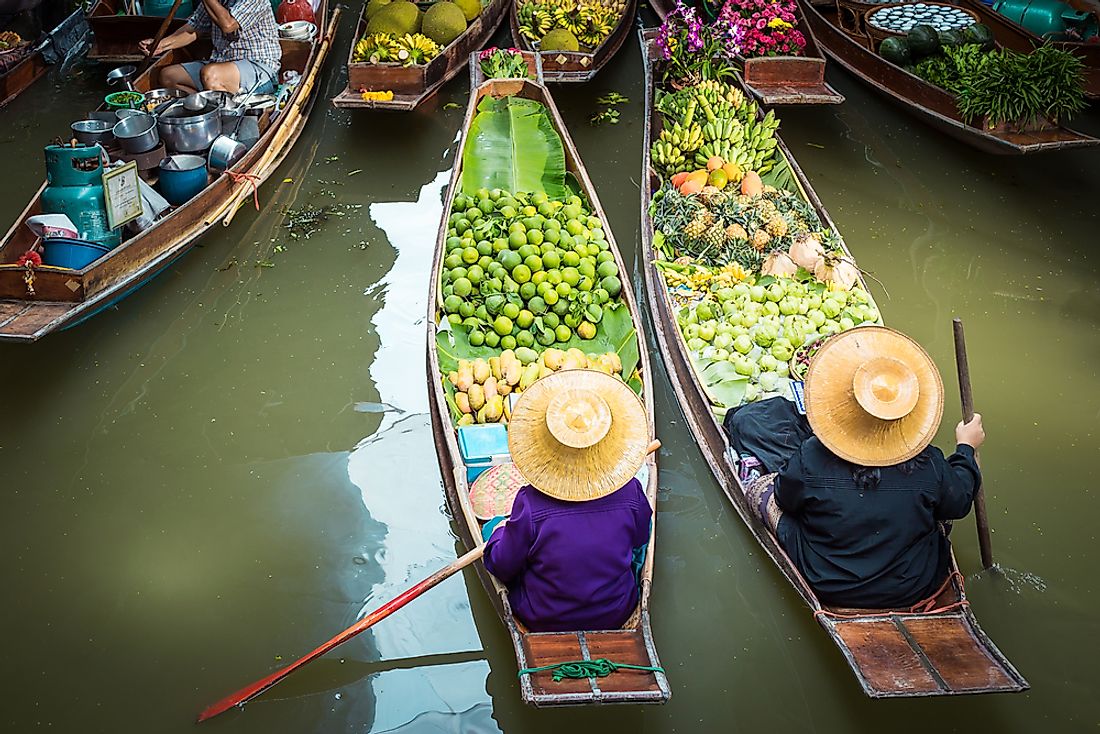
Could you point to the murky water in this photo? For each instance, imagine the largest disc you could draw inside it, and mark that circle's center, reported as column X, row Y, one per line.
column 189, row 498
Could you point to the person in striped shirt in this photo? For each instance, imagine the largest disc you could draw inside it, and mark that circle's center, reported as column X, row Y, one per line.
column 246, row 48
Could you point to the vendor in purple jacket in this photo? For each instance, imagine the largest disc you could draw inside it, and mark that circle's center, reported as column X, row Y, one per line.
column 568, row 551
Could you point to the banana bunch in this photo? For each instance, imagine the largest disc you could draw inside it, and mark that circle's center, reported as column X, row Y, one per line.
column 729, row 129
column 687, row 138
column 377, row 48
column 667, row 158
column 535, row 20
column 9, row 39
column 696, row 279
column 759, row 143
column 483, row 385
column 416, row 48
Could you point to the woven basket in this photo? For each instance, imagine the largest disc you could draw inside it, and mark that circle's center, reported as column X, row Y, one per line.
column 878, row 34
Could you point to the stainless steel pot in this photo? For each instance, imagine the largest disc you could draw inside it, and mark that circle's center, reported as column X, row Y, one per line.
column 156, row 97
column 91, row 132
column 187, row 132
column 137, row 133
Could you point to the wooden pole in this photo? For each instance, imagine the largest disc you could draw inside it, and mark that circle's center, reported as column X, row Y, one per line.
column 251, row 691
column 985, row 544
column 158, row 38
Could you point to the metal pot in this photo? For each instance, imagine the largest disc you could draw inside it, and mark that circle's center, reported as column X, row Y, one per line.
column 156, row 97
column 188, row 132
column 137, row 133
column 91, row 132
column 225, row 151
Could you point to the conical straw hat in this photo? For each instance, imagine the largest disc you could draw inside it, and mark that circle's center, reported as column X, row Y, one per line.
column 578, row 434
column 873, row 396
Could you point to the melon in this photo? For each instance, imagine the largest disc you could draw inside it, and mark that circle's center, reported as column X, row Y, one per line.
column 896, row 51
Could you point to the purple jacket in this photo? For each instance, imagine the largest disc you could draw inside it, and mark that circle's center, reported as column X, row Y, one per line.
column 567, row 565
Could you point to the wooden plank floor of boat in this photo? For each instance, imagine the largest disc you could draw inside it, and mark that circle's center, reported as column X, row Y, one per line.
column 23, row 319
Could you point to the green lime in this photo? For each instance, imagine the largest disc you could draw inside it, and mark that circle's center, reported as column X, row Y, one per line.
column 537, row 305
column 607, row 269
column 462, row 225
column 507, row 210
column 586, row 283
column 482, row 313
column 570, row 276
column 459, row 272
column 534, row 262
column 551, row 297
column 571, row 259
column 564, row 289
column 487, row 206
column 535, row 237
column 561, row 307
column 551, row 260
column 517, row 240
column 544, row 287
column 482, row 193
column 510, row 259
column 500, row 244
column 521, row 273
column 525, row 338
column 454, row 243
column 492, row 339
column 475, row 274
column 546, row 209
column 527, row 251
column 474, row 214
column 538, row 277
column 466, row 310
column 510, row 310
column 587, row 268
column 551, row 320
column 463, row 287
column 574, row 227
column 477, row 338
column 527, row 291
column 484, row 261
column 563, row 333
column 599, row 236
column 502, row 324
column 600, row 296
column 552, row 236
column 470, row 255
column 516, row 227
column 455, row 319
column 612, row 285
column 484, row 247
column 605, row 256
column 495, row 194
column 451, row 304
column 461, row 202
column 453, row 260
column 525, row 319
column 553, row 276
column 508, row 342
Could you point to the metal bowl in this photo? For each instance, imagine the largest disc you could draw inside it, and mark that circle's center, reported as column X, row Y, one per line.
column 187, row 132
column 91, row 132
column 156, row 97
column 137, row 133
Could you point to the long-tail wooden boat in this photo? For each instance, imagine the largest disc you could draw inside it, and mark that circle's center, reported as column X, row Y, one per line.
column 893, row 653
column 1014, row 36
column 856, row 53
column 576, row 66
column 116, row 37
column 632, row 644
column 61, row 43
column 21, row 75
column 63, row 297
column 411, row 85
column 781, row 80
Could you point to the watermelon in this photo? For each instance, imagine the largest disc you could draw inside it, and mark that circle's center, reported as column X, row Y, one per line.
column 981, row 35
column 951, row 38
column 895, row 50
column 923, row 40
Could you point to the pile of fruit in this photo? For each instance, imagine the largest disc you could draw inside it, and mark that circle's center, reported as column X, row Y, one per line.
column 712, row 120
column 399, row 32
column 924, row 41
column 523, row 269
column 481, row 385
column 9, row 40
column 568, row 25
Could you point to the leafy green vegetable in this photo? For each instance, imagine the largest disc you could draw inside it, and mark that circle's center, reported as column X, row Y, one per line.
column 512, row 145
column 721, row 382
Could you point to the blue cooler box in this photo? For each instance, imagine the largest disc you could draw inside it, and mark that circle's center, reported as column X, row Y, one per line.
column 483, row 446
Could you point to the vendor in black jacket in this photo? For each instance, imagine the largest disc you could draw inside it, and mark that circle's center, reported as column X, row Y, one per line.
column 859, row 505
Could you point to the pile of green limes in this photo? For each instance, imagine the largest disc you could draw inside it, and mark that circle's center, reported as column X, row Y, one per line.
column 523, row 269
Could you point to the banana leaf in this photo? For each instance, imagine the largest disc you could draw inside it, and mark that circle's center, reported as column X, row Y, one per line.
column 722, row 384
column 615, row 333
column 512, row 145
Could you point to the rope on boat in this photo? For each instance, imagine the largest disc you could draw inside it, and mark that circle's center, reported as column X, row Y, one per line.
column 237, row 177
column 599, row 668
column 925, row 606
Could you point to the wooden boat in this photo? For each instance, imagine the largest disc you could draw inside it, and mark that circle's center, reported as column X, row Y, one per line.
column 63, row 297
column 632, row 644
column 411, row 85
column 856, row 53
column 569, row 66
column 116, row 36
column 893, row 653
column 20, row 76
column 58, row 46
column 781, row 80
column 1014, row 36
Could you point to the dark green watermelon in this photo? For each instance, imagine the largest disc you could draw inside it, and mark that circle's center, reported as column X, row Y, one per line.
column 923, row 40
column 952, row 38
column 981, row 35
column 895, row 50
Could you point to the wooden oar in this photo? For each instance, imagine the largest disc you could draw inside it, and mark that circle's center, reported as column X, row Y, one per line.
column 249, row 692
column 158, row 38
column 985, row 544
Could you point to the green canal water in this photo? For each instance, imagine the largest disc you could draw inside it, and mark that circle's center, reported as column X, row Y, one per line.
column 189, row 497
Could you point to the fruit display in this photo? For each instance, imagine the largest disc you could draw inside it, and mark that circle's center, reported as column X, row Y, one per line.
column 481, row 386
column 568, row 25
column 712, row 120
column 9, row 40
column 399, row 32
column 523, row 269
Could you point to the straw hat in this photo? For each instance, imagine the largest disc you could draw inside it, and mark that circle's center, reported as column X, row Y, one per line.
column 873, row 396
column 578, row 434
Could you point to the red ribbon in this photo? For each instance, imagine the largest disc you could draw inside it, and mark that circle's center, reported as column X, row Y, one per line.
column 250, row 178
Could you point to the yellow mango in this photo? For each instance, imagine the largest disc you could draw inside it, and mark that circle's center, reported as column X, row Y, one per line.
column 477, row 396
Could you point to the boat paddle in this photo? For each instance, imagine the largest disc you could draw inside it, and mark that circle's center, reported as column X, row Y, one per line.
column 985, row 544
column 157, row 39
column 251, row 691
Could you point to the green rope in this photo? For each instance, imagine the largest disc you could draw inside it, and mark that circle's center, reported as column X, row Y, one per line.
column 599, row 668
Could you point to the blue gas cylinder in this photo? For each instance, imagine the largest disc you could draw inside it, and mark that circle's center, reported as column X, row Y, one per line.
column 74, row 187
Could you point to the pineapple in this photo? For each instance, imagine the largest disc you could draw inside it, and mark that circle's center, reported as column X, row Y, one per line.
column 715, row 236
column 697, row 227
column 736, row 232
column 760, row 240
column 777, row 226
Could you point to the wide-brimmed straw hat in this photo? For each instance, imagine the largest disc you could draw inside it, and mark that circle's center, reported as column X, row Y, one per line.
column 873, row 396
column 578, row 434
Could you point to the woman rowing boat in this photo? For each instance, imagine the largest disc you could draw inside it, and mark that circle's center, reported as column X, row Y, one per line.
column 860, row 505
column 570, row 550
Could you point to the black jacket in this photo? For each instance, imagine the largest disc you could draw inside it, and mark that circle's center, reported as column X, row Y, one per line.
column 881, row 547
